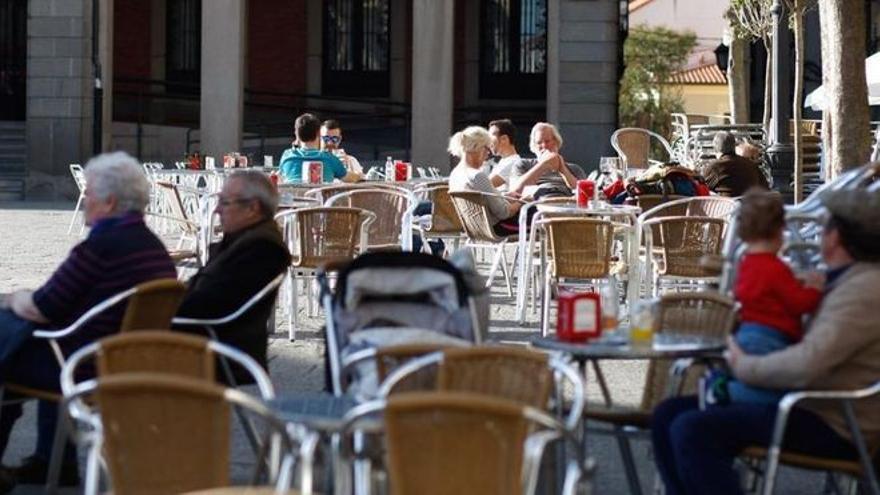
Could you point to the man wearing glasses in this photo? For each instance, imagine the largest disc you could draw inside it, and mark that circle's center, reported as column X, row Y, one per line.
column 331, row 138
column 306, row 129
column 250, row 255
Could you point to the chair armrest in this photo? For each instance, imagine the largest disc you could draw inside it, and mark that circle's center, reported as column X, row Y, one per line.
column 237, row 313
column 88, row 315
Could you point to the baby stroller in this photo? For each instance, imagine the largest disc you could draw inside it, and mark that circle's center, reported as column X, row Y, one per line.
column 389, row 298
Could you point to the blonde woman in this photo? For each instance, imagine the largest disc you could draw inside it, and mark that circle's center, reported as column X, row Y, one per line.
column 471, row 147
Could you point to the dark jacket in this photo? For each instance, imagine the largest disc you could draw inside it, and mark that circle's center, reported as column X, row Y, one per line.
column 238, row 267
column 733, row 175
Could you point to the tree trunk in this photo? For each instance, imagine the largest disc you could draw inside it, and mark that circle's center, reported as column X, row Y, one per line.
column 768, row 89
column 846, row 92
column 797, row 106
column 738, row 81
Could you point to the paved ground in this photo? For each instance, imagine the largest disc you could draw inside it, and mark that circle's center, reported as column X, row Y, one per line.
column 33, row 241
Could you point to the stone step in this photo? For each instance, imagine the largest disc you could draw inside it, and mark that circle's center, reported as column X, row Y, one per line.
column 11, row 189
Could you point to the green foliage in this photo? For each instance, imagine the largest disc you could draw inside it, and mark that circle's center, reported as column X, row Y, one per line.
column 651, row 56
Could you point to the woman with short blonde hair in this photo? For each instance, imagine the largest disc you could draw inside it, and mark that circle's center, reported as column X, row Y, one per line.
column 471, row 147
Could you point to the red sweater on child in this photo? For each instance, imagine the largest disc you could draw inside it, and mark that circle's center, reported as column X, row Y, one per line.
column 771, row 295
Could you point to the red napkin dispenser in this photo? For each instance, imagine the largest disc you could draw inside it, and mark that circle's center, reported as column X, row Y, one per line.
column 578, row 318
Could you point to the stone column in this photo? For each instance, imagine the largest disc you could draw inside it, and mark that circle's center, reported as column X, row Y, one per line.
column 59, row 93
column 582, row 61
column 432, row 76
column 222, row 80
column 105, row 51
column 314, row 46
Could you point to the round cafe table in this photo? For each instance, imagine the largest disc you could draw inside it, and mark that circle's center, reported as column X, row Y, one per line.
column 666, row 346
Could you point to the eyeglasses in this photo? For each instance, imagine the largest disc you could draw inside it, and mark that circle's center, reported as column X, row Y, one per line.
column 331, row 139
column 225, row 203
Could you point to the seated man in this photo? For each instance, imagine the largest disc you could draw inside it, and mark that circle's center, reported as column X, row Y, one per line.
column 331, row 139
column 695, row 449
column 503, row 145
column 549, row 172
column 119, row 253
column 250, row 255
column 731, row 174
column 306, row 128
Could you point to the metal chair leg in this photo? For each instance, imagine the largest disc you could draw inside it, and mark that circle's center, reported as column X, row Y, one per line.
column 629, row 464
column 62, row 427
column 75, row 213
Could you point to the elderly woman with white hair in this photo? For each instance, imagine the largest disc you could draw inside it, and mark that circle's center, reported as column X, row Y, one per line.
column 119, row 252
column 471, row 146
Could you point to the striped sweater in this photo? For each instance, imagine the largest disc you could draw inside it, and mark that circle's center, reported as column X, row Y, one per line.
column 118, row 254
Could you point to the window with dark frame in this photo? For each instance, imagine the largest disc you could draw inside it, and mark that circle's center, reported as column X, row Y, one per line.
column 183, row 47
column 513, row 49
column 356, row 48
column 13, row 59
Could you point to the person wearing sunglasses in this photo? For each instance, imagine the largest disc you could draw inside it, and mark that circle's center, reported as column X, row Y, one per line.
column 306, row 130
column 331, row 138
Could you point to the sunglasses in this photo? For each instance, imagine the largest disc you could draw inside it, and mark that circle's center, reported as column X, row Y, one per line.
column 331, row 139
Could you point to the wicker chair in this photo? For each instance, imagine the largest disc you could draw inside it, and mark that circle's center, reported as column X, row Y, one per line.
column 389, row 358
column 324, row 193
column 150, row 305
column 392, row 228
column 686, row 241
column 473, row 211
column 79, row 178
column 445, row 442
column 445, row 223
column 577, row 249
column 864, row 470
column 634, row 146
column 162, row 433
column 317, row 236
column 705, row 314
column 505, row 372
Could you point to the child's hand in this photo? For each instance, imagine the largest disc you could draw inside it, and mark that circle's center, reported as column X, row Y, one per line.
column 814, row 280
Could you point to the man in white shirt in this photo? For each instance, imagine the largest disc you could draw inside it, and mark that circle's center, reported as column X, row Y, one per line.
column 331, row 139
column 503, row 135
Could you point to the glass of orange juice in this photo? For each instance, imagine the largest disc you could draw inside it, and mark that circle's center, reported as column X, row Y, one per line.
column 642, row 323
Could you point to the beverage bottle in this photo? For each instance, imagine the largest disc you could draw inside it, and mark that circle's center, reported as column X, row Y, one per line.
column 610, row 307
column 389, row 170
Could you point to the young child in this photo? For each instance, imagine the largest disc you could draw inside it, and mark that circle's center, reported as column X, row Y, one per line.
column 772, row 301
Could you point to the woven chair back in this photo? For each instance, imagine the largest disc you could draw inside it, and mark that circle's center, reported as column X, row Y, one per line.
column 326, row 192
column 713, row 206
column 705, row 314
column 163, row 434
column 153, row 305
column 686, row 240
column 444, row 219
column 648, row 201
column 156, row 352
column 579, row 247
column 388, row 205
column 441, row 443
column 474, row 215
column 635, row 145
column 389, row 358
column 327, row 234
column 510, row 373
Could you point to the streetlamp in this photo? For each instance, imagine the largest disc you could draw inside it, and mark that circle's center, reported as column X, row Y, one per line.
column 780, row 154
